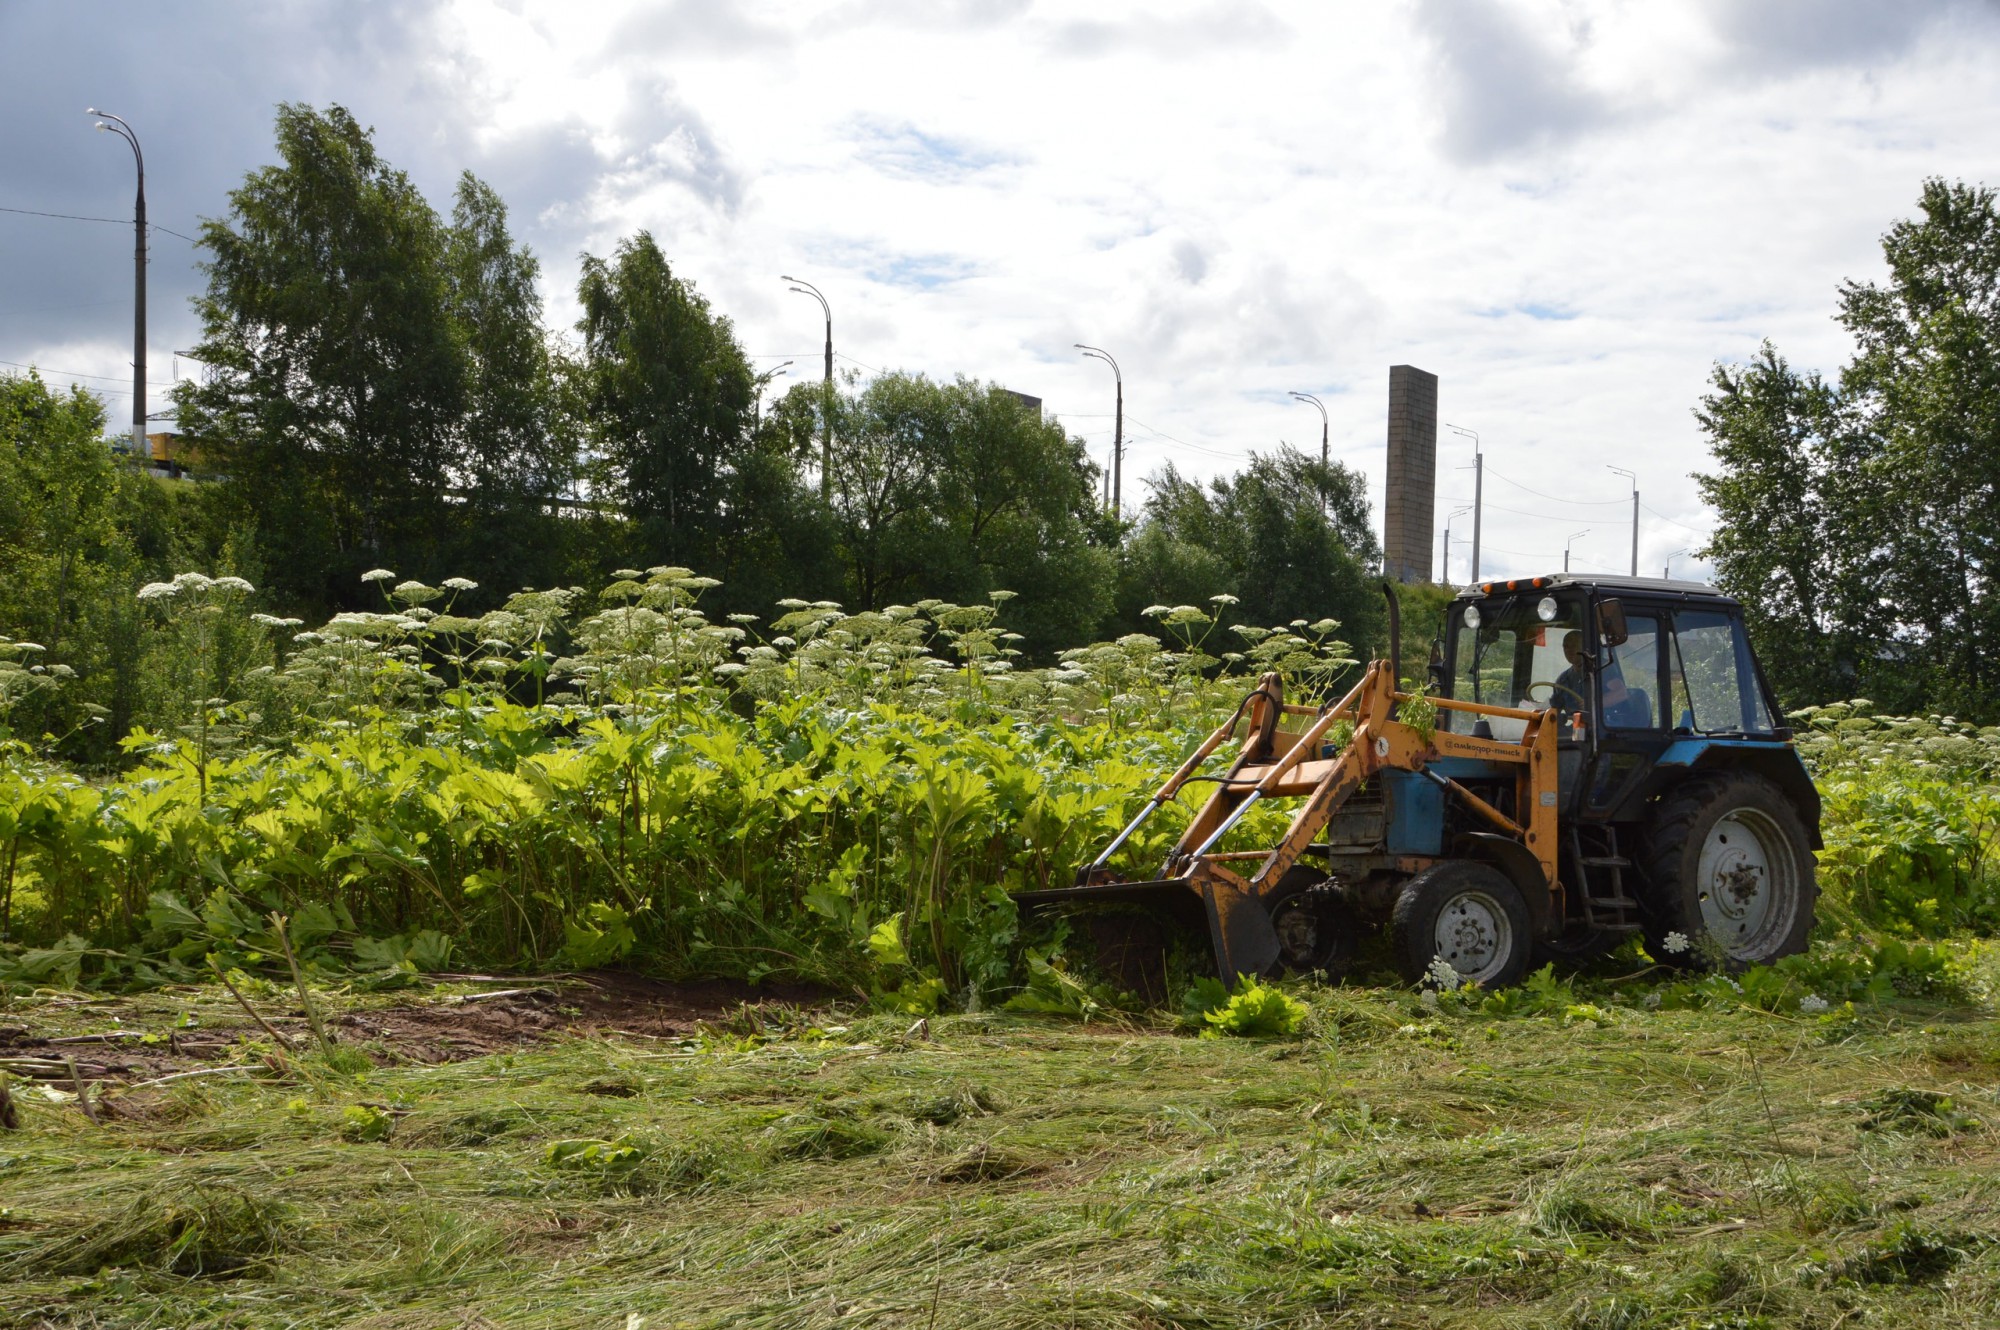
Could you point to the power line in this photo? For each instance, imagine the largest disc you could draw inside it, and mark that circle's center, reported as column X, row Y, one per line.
column 115, row 221
column 1581, row 503
column 66, row 373
column 69, row 216
column 68, row 304
column 1198, row 447
column 1674, row 522
column 1518, row 512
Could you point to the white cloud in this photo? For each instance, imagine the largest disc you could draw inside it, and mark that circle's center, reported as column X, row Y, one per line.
column 1568, row 209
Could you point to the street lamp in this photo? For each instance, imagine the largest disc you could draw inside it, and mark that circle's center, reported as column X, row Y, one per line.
column 1568, row 543
column 1478, row 490
column 1668, row 571
column 1325, row 453
column 775, row 372
column 1444, row 574
column 805, row 288
column 112, row 124
column 1118, row 426
column 1635, row 513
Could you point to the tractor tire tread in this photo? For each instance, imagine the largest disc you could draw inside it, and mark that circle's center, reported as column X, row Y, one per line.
column 1662, row 858
column 1413, row 921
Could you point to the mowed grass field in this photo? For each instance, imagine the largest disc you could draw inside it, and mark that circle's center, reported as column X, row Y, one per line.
column 1608, row 1166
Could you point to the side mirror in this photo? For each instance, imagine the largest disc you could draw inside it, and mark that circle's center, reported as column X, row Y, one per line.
column 1436, row 671
column 1611, row 630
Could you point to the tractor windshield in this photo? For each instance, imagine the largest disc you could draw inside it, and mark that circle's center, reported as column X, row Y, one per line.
column 1520, row 651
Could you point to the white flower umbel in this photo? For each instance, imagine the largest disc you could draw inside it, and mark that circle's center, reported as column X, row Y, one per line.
column 1429, row 998
column 460, row 584
column 1675, row 943
column 157, row 590
column 1813, row 1004
column 377, row 575
column 1441, row 973
column 1652, row 1000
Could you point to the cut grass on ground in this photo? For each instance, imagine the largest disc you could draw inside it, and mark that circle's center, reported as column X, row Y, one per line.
column 1393, row 1167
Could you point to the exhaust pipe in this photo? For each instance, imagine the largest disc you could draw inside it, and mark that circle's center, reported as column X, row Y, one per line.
column 1395, row 635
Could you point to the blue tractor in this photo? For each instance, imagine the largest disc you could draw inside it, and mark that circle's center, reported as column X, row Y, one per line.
column 1594, row 757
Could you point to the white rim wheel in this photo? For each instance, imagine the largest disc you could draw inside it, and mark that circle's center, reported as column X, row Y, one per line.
column 1744, row 877
column 1474, row 936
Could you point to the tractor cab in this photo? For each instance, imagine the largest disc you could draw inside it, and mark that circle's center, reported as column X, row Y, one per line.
column 1642, row 672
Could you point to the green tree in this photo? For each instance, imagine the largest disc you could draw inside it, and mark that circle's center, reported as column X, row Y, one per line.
column 77, row 533
column 1261, row 536
column 1780, row 544
column 519, row 443
column 955, row 490
column 1858, row 521
column 1924, row 390
column 668, row 395
column 376, row 378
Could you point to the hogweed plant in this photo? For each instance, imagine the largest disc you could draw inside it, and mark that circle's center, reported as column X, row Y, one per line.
column 210, row 638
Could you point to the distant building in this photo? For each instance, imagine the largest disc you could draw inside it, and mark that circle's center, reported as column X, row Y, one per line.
column 1032, row 403
column 165, row 453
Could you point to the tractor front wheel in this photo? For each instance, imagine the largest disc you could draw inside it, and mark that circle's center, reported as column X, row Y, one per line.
column 1729, row 874
column 1467, row 915
column 1315, row 933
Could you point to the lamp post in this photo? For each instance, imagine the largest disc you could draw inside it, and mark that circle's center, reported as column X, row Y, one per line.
column 1668, row 570
column 1478, row 490
column 1117, row 428
column 112, row 124
column 826, row 436
column 1444, row 574
column 1325, row 452
column 1633, row 476
column 1568, row 543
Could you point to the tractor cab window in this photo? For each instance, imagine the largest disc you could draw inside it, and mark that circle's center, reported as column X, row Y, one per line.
column 1715, row 688
column 1630, row 676
column 1517, row 652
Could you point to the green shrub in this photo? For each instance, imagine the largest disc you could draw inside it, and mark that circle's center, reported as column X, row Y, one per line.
column 1254, row 1010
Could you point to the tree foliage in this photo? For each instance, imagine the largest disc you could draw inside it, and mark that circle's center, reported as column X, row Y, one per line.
column 77, row 533
column 667, row 391
column 956, row 490
column 380, row 391
column 1858, row 519
column 1262, row 537
column 371, row 368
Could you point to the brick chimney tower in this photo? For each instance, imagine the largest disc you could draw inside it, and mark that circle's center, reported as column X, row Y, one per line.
column 1409, row 497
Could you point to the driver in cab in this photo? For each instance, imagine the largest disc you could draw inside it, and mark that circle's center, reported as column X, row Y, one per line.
column 1573, row 684
column 1572, row 687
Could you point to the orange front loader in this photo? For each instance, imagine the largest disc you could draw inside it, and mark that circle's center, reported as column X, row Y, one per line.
column 1258, row 901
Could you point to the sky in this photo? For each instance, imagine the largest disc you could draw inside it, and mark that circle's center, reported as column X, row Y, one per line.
column 1568, row 210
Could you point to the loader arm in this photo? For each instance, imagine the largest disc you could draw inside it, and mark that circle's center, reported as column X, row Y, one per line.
column 1273, row 763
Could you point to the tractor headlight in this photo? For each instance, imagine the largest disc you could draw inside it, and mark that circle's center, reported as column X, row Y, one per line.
column 1471, row 616
column 1545, row 609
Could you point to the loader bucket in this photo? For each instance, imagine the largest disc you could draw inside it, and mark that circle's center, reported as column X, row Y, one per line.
column 1238, row 926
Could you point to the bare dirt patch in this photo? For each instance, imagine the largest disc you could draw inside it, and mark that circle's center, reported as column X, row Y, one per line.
column 600, row 1003
column 147, row 1038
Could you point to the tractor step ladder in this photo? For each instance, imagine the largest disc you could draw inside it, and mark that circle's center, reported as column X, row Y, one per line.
column 1602, row 887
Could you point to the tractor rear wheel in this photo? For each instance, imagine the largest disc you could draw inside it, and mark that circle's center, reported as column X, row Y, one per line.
column 1316, row 935
column 1728, row 874
column 1468, row 915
